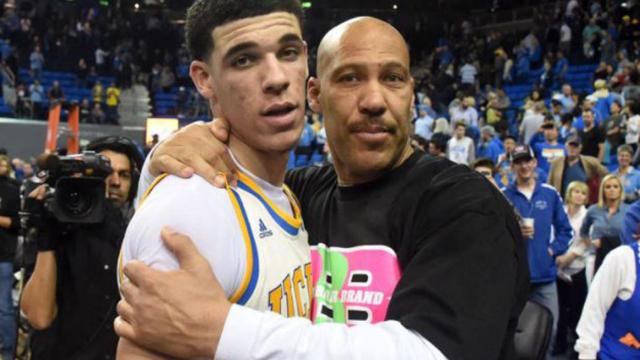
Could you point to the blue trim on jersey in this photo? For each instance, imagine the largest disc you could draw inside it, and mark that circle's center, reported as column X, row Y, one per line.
column 255, row 271
column 291, row 230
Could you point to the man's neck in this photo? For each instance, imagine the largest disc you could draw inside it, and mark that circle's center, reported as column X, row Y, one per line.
column 528, row 183
column 268, row 166
column 624, row 169
column 348, row 178
column 525, row 184
column 552, row 142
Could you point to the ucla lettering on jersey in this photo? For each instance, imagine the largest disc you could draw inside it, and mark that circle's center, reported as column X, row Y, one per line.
column 278, row 273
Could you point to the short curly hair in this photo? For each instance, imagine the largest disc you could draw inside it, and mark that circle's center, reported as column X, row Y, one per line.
column 205, row 15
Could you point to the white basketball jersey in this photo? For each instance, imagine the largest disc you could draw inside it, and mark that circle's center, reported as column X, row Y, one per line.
column 278, row 272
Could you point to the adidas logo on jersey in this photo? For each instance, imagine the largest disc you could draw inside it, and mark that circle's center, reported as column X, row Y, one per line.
column 264, row 231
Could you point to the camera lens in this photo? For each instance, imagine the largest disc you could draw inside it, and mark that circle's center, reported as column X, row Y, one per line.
column 79, row 200
column 75, row 203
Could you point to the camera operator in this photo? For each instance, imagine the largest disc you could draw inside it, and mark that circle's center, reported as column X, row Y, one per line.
column 71, row 296
column 9, row 225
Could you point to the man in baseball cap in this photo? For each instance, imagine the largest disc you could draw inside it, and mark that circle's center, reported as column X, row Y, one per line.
column 541, row 209
column 522, row 153
column 575, row 166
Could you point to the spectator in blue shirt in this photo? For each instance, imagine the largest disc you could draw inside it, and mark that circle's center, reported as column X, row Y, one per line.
column 545, row 227
column 523, row 65
column 567, row 98
column 603, row 98
column 427, row 106
column 5, row 48
column 566, row 127
column 36, row 60
column 557, row 110
column 629, row 176
column 36, row 91
column 560, row 67
column 503, row 165
column 550, row 149
column 603, row 222
column 538, row 136
column 423, row 125
column 446, row 56
column 489, row 147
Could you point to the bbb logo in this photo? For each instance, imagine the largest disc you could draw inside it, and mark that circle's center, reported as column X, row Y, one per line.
column 264, row 231
column 541, row 204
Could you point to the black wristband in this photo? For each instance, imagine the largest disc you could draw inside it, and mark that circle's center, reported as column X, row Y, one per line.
column 46, row 238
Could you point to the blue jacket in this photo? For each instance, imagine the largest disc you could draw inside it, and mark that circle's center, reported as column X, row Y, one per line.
column 603, row 106
column 490, row 149
column 547, row 210
column 631, row 181
column 630, row 224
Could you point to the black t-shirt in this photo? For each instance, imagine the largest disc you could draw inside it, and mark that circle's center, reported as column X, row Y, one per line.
column 437, row 239
column 86, row 292
column 591, row 139
column 9, row 207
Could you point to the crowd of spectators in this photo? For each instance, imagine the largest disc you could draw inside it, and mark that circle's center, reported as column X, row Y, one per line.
column 583, row 146
column 92, row 42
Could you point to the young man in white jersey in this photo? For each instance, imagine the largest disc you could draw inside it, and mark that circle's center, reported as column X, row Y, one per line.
column 250, row 62
column 460, row 148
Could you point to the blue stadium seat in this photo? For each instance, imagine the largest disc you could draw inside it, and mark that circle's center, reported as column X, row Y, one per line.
column 302, row 160
column 291, row 163
column 317, row 158
column 5, row 109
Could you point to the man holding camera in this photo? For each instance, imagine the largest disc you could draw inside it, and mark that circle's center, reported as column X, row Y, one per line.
column 72, row 294
column 9, row 224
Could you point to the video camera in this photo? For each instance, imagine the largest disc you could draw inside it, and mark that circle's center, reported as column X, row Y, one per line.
column 78, row 183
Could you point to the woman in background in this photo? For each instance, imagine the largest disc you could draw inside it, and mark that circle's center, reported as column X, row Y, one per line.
column 572, row 280
column 603, row 222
